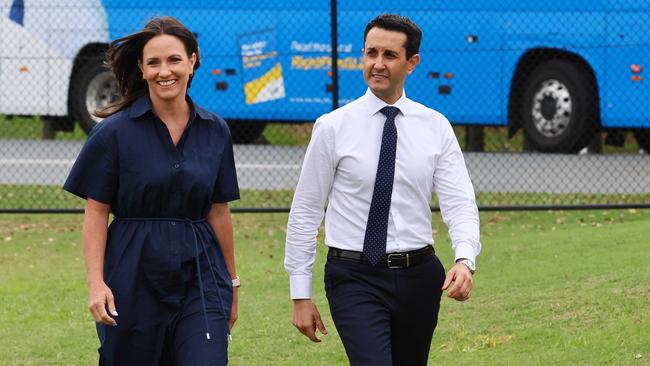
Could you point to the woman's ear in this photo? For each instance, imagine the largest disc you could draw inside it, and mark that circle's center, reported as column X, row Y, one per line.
column 192, row 62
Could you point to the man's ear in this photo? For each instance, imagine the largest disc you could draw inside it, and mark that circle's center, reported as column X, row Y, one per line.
column 413, row 62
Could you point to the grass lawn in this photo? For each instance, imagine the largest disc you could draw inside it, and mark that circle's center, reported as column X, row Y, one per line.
column 552, row 288
column 54, row 197
column 30, row 128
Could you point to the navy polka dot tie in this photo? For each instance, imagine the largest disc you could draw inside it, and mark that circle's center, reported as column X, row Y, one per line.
column 374, row 244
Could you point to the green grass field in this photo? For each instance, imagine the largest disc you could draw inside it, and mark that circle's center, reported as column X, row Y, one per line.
column 54, row 197
column 552, row 288
column 30, row 128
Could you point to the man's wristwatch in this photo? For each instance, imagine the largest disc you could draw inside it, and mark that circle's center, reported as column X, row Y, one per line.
column 468, row 263
column 236, row 282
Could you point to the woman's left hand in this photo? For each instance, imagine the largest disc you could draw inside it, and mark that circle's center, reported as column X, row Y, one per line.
column 233, row 309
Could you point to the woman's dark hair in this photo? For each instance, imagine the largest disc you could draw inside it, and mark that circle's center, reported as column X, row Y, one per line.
column 124, row 53
column 398, row 23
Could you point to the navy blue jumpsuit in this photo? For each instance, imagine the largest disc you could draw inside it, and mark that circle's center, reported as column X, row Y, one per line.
column 163, row 261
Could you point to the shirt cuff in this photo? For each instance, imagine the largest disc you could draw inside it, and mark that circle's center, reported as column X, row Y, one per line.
column 300, row 286
column 465, row 250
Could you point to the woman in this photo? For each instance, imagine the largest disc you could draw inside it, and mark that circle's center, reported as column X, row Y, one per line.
column 160, row 281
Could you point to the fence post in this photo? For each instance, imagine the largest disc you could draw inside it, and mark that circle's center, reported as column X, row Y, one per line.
column 48, row 129
column 474, row 138
column 335, row 55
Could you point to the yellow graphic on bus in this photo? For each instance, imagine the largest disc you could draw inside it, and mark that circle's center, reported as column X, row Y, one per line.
column 269, row 86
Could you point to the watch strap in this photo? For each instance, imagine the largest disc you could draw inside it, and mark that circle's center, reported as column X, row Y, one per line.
column 236, row 282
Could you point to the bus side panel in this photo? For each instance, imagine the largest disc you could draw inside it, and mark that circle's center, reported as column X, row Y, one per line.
column 38, row 44
column 460, row 67
column 461, row 70
column 627, row 91
column 254, row 66
column 23, row 61
column 501, row 6
column 351, row 25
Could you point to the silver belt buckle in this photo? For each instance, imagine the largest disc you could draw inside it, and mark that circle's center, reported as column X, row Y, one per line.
column 390, row 256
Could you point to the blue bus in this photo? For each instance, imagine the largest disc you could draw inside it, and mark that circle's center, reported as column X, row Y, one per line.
column 562, row 71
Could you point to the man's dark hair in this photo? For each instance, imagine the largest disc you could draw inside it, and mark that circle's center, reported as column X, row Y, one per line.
column 398, row 23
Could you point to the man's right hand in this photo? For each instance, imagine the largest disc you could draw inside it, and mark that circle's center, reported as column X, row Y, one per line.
column 307, row 319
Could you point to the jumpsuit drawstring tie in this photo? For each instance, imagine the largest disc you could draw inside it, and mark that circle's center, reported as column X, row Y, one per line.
column 197, row 252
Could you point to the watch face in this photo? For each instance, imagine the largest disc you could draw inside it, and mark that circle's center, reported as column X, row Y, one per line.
column 469, row 264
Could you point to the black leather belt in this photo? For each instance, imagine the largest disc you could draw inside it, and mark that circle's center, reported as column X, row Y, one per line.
column 392, row 260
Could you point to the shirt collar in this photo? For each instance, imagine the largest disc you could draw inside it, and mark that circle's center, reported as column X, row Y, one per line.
column 142, row 105
column 374, row 104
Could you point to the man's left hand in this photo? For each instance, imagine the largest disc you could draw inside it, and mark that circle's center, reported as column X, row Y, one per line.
column 462, row 281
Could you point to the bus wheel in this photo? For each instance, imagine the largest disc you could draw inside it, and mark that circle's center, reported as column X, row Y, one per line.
column 643, row 139
column 245, row 132
column 560, row 107
column 93, row 87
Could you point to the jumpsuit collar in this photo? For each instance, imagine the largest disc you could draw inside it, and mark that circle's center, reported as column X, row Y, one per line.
column 142, row 105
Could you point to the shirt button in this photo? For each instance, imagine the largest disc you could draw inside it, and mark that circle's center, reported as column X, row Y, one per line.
column 176, row 166
column 173, row 223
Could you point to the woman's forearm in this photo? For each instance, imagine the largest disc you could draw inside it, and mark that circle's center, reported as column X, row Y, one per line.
column 219, row 218
column 95, row 231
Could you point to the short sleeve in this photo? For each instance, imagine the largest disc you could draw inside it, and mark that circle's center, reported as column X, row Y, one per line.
column 95, row 172
column 226, row 188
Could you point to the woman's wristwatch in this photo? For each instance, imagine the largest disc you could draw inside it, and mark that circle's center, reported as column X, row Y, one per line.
column 236, row 282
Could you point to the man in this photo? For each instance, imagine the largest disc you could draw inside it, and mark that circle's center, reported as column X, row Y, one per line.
column 376, row 162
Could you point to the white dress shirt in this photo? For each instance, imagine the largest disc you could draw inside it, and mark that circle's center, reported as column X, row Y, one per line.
column 340, row 166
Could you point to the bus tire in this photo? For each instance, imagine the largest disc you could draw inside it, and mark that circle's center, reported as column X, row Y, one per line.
column 560, row 107
column 245, row 132
column 93, row 87
column 643, row 139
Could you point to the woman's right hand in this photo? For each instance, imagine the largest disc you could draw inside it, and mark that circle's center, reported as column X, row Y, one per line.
column 99, row 298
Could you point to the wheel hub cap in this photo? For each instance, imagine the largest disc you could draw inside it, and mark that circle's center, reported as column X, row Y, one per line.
column 102, row 91
column 552, row 108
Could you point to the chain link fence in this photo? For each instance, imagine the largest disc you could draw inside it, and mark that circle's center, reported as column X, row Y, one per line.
column 548, row 99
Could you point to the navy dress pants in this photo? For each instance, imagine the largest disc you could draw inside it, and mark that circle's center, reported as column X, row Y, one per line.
column 385, row 316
